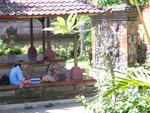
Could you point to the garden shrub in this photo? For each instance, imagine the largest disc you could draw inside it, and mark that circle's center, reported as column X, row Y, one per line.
column 2, row 52
column 70, row 52
column 24, row 49
column 2, row 47
column 39, row 49
column 62, row 53
column 16, row 50
column 82, row 58
column 128, row 94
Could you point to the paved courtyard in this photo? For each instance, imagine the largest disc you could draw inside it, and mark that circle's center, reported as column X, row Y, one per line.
column 71, row 107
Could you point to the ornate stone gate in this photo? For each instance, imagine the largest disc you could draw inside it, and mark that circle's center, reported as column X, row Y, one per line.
column 118, row 31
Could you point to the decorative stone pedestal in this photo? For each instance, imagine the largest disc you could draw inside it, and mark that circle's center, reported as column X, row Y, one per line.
column 76, row 73
column 32, row 53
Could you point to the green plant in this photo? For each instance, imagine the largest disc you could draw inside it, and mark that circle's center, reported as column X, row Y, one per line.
column 82, row 58
column 63, row 53
column 2, row 47
column 2, row 52
column 40, row 49
column 62, row 26
column 16, row 50
column 70, row 52
column 113, row 2
column 88, row 41
column 128, row 94
column 24, row 49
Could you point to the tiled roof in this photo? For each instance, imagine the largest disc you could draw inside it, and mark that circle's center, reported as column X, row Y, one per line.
column 44, row 7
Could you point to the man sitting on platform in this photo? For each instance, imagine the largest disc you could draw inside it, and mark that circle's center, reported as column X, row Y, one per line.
column 51, row 73
column 16, row 76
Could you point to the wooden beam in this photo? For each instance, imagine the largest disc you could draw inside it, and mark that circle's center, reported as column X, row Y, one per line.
column 31, row 31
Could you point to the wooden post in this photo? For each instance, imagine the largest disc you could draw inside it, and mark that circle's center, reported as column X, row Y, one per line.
column 75, row 51
column 31, row 31
column 48, row 33
column 43, row 34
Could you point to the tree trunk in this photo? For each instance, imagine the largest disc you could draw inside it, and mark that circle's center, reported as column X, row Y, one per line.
column 82, row 38
column 142, row 21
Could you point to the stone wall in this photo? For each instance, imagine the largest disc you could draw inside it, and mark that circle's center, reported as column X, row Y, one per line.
column 124, row 26
column 36, row 93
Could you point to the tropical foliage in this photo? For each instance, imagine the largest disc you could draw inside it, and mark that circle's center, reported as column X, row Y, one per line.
column 62, row 26
column 2, row 47
column 128, row 94
column 132, row 2
column 16, row 50
column 113, row 2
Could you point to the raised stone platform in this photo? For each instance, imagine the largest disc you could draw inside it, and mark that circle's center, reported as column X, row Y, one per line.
column 46, row 91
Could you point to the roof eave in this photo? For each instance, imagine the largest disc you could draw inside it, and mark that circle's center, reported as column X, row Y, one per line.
column 42, row 16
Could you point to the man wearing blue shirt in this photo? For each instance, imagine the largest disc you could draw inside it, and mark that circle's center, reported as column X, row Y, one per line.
column 16, row 76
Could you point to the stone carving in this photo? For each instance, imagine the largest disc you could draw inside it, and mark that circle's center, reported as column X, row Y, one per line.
column 141, row 52
column 11, row 34
column 132, row 42
column 142, row 47
column 110, row 53
column 107, row 44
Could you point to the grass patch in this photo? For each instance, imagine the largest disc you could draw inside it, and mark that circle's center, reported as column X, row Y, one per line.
column 84, row 64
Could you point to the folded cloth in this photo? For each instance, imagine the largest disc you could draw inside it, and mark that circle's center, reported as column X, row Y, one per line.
column 48, row 78
column 35, row 80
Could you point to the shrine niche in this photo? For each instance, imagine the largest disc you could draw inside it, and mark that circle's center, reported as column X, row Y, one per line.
column 141, row 47
column 132, row 49
column 141, row 52
column 11, row 35
column 136, row 50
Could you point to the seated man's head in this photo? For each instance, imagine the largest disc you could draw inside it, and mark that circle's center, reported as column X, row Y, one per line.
column 21, row 64
column 46, row 60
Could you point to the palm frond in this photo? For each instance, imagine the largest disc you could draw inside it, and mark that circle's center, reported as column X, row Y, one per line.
column 123, row 83
column 61, row 20
column 60, row 26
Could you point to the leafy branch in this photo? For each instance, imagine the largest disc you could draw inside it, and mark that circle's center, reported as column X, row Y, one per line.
column 62, row 26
